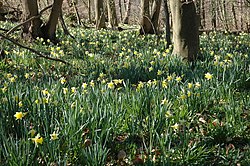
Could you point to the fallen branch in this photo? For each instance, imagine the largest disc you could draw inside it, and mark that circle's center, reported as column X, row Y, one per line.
column 32, row 50
column 28, row 20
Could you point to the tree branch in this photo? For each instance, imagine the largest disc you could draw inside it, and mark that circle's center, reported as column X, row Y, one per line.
column 32, row 50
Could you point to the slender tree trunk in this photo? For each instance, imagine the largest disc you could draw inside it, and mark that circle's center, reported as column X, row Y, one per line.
column 99, row 14
column 203, row 15
column 168, row 34
column 89, row 11
column 31, row 29
column 77, row 14
column 128, row 9
column 185, row 29
column 155, row 16
column 49, row 30
column 234, row 16
column 146, row 24
column 112, row 13
column 120, row 9
column 214, row 15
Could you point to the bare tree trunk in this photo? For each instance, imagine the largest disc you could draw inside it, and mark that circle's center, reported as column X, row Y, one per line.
column 112, row 13
column 146, row 24
column 167, row 23
column 203, row 15
column 99, row 14
column 155, row 16
column 234, row 16
column 120, row 9
column 49, row 30
column 185, row 29
column 214, row 15
column 77, row 14
column 31, row 29
column 125, row 20
column 89, row 11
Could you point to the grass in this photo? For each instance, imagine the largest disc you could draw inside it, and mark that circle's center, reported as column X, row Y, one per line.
column 125, row 100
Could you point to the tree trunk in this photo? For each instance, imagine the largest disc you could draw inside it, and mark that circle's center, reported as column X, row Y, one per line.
column 49, row 30
column 125, row 20
column 31, row 29
column 214, row 15
column 234, row 16
column 112, row 13
column 155, row 16
column 99, row 14
column 146, row 24
column 120, row 8
column 89, row 11
column 166, row 11
column 203, row 15
column 185, row 29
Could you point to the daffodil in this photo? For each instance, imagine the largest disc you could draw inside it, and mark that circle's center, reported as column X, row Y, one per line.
column 111, row 85
column 19, row 115
column 175, row 126
column 54, row 136
column 178, row 78
column 190, row 85
column 63, row 80
column 84, row 85
column 37, row 140
column 208, row 76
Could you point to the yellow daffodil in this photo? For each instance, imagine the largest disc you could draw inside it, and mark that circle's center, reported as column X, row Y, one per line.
column 197, row 85
column 175, row 126
column 84, row 85
column 37, row 140
column 19, row 115
column 65, row 91
column 111, row 85
column 63, row 80
column 178, row 78
column 208, row 76
column 73, row 89
column 190, row 85
column 54, row 136
column 20, row 104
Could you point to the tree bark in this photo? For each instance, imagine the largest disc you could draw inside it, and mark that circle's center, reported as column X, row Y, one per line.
column 49, row 30
column 126, row 18
column 155, row 16
column 112, row 13
column 146, row 24
column 99, row 14
column 166, row 11
column 185, row 29
column 31, row 29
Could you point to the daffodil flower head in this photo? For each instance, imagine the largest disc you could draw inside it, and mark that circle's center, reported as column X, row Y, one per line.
column 37, row 140
column 54, row 136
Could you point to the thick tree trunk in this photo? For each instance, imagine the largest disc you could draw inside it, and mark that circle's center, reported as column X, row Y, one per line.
column 32, row 28
column 166, row 11
column 99, row 14
column 49, row 31
column 112, row 13
column 185, row 29
column 155, row 16
column 125, row 20
column 146, row 24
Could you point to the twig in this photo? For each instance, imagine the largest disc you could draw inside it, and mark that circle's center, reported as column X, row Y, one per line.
column 28, row 20
column 64, row 27
column 32, row 50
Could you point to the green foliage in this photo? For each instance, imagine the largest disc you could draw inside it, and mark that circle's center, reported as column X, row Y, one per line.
column 125, row 92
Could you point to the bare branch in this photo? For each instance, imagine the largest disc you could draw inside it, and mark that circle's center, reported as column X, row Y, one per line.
column 32, row 50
